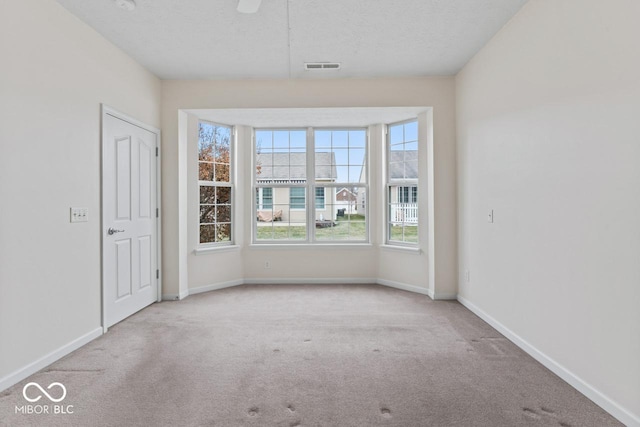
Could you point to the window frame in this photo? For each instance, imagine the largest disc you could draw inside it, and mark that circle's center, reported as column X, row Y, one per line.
column 215, row 184
column 399, row 183
column 337, row 185
column 276, row 185
column 310, row 185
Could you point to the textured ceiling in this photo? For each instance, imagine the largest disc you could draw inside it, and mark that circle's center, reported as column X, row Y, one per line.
column 209, row 39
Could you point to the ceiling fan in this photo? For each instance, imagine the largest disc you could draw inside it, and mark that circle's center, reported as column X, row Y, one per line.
column 248, row 6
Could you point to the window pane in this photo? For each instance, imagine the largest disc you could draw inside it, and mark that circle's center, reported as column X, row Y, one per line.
column 207, row 194
column 298, row 139
column 207, row 214
column 222, row 172
column 345, row 227
column 320, row 198
column 322, row 139
column 223, row 144
column 297, row 198
column 396, row 170
column 214, row 155
column 206, row 171
column 340, row 138
column 280, row 156
column 207, row 233
column 403, row 214
column 341, row 174
column 281, row 139
column 396, row 134
column 343, row 217
column 205, row 142
column 264, row 140
column 223, row 195
column 264, row 198
column 282, row 222
column 223, row 233
column 358, row 139
column 215, row 214
column 411, row 169
column 411, row 131
column 340, row 156
column 223, row 213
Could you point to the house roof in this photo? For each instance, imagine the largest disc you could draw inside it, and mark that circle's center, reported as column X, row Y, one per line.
column 403, row 164
column 292, row 166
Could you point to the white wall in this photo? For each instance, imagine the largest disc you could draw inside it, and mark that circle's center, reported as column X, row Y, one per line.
column 55, row 73
column 549, row 138
column 287, row 263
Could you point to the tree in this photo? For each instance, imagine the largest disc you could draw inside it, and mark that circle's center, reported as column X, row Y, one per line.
column 214, row 166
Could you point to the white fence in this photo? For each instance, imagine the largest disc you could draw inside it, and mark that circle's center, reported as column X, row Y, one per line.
column 404, row 212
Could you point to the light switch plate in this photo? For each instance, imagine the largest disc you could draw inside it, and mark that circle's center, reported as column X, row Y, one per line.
column 490, row 216
column 79, row 214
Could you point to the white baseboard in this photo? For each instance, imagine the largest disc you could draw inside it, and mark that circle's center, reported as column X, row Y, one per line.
column 215, row 287
column 623, row 415
column 310, row 281
column 175, row 297
column 403, row 286
column 443, row 296
column 48, row 359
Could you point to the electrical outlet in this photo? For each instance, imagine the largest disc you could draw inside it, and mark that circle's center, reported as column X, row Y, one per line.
column 490, row 216
column 467, row 276
column 267, row 265
column 79, row 215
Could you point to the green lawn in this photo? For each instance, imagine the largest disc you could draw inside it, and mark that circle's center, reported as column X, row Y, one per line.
column 350, row 227
column 410, row 233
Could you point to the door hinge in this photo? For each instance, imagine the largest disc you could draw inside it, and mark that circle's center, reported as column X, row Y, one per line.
column 157, row 150
column 157, row 212
column 157, row 274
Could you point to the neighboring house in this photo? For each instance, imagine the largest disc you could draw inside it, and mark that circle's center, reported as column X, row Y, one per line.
column 347, row 200
column 289, row 168
column 403, row 199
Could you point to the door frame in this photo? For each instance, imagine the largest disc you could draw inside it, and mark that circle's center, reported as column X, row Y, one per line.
column 105, row 111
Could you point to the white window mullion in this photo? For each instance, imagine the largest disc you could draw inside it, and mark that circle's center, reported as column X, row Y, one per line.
column 311, row 180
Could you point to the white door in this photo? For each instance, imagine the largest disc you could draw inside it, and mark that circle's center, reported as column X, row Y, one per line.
column 129, row 226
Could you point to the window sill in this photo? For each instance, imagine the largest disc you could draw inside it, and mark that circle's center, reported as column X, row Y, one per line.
column 311, row 246
column 407, row 249
column 204, row 250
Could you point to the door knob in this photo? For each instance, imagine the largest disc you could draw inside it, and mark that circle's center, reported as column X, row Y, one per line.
column 111, row 231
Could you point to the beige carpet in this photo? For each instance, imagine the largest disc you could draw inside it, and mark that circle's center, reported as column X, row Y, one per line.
column 310, row 355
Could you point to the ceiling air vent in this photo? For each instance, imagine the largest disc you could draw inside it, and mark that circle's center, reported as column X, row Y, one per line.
column 321, row 66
